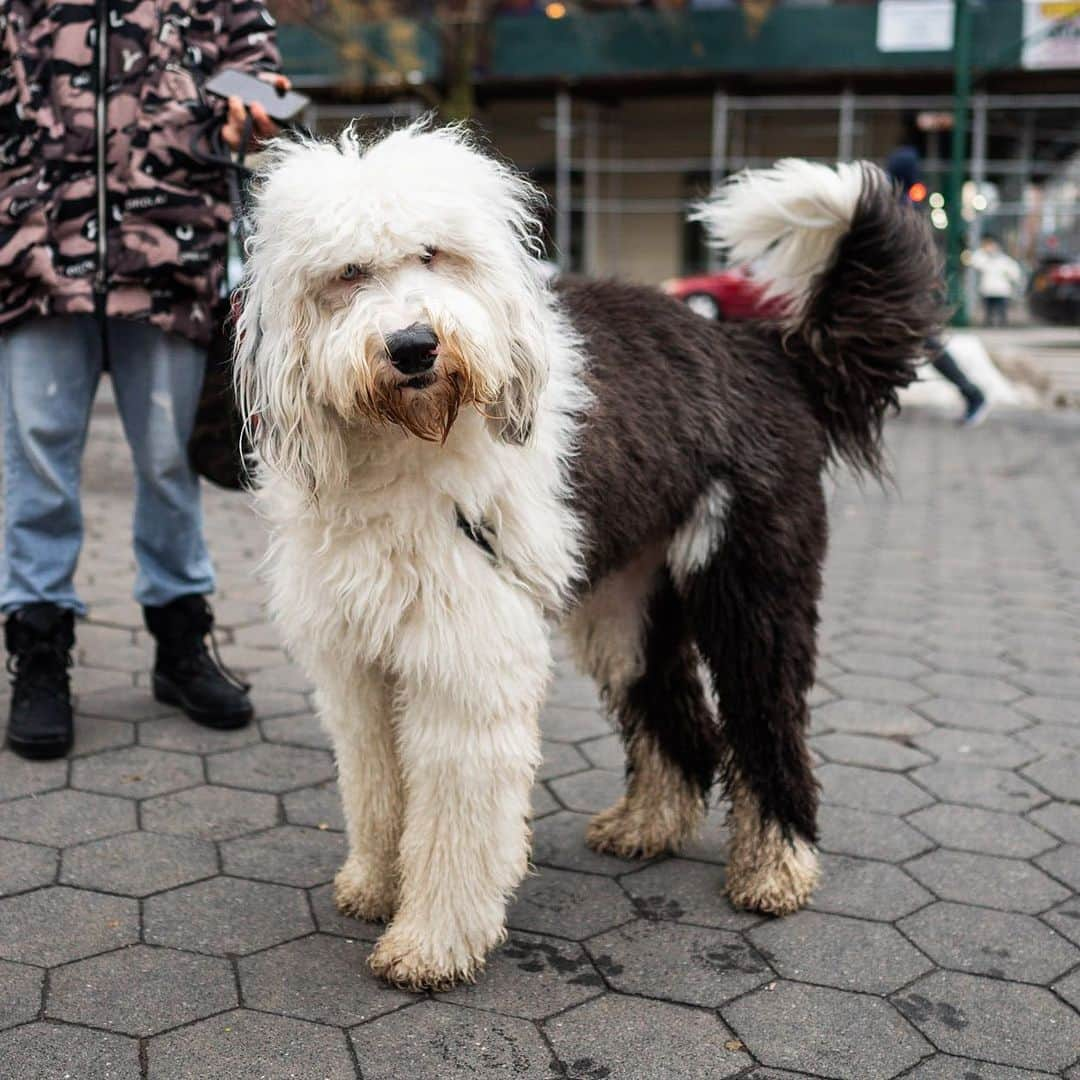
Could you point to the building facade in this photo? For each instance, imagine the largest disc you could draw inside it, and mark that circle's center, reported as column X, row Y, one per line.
column 627, row 115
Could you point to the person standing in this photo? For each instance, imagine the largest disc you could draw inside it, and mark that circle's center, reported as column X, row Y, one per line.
column 112, row 249
column 999, row 277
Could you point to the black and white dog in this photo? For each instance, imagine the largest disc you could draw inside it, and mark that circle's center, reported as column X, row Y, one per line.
column 454, row 455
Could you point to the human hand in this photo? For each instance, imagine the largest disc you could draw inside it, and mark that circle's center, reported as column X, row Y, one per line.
column 262, row 126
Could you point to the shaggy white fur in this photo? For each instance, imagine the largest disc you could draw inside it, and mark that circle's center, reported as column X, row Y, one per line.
column 417, row 648
column 787, row 220
column 698, row 540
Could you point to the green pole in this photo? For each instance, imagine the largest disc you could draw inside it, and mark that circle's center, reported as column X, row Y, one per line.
column 961, row 96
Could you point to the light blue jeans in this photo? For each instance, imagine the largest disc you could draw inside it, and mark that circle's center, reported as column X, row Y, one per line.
column 49, row 373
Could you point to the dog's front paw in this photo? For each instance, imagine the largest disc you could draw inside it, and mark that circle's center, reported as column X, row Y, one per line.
column 629, row 833
column 364, row 894
column 410, row 962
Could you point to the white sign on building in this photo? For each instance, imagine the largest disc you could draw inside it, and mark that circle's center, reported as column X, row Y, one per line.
column 915, row 25
column 1051, row 34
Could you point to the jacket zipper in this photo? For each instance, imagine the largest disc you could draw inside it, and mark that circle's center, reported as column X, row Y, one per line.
column 101, row 278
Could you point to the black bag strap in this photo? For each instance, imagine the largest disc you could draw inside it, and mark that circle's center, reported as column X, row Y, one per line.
column 217, row 448
column 237, row 173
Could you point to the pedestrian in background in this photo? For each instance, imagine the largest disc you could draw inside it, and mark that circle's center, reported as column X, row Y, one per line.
column 112, row 250
column 976, row 405
column 999, row 277
column 904, row 169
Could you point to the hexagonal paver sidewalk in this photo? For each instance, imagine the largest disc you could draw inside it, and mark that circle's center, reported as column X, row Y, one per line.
column 165, row 900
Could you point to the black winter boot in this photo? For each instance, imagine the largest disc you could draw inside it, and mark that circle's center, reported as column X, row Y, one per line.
column 185, row 674
column 39, row 639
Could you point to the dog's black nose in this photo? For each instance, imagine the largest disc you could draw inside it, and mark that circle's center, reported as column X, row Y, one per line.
column 412, row 350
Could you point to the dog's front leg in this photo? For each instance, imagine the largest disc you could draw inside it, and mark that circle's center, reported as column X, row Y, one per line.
column 469, row 747
column 355, row 709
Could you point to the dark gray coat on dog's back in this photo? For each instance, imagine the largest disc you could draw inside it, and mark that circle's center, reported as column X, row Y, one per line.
column 682, row 403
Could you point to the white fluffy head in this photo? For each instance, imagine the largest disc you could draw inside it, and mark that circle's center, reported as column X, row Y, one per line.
column 353, row 243
column 787, row 220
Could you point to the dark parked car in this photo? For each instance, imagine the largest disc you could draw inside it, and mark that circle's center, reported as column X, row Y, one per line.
column 726, row 294
column 1054, row 294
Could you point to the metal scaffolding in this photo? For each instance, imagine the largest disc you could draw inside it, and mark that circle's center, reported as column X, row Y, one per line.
column 586, row 176
column 597, row 191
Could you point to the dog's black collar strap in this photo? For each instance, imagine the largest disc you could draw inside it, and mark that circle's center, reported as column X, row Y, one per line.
column 475, row 534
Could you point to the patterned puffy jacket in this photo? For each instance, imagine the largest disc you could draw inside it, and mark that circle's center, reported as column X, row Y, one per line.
column 100, row 101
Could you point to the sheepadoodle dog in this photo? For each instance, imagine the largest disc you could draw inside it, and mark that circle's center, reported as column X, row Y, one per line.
column 455, row 455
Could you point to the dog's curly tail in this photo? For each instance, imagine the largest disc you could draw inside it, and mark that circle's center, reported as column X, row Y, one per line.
column 857, row 274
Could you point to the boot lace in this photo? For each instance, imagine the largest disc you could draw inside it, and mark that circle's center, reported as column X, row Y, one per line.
column 225, row 670
column 190, row 653
column 40, row 667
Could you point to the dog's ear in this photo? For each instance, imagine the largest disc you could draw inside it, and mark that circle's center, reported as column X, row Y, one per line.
column 520, row 295
column 287, row 427
column 513, row 415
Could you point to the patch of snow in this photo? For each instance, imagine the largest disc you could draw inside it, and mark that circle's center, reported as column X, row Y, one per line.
column 970, row 354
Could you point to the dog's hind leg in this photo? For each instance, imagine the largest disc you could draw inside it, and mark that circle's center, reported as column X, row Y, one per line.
column 473, row 669
column 355, row 709
column 632, row 635
column 752, row 595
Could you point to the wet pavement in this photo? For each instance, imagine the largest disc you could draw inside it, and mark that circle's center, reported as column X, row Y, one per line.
column 166, row 911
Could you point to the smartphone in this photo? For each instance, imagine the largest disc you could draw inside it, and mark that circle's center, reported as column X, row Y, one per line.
column 279, row 105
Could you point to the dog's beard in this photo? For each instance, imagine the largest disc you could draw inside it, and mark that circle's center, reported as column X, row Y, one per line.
column 428, row 412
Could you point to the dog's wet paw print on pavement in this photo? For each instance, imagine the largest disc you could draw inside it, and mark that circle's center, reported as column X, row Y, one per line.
column 942, row 944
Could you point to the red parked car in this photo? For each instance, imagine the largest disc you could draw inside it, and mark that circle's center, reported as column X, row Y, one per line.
column 726, row 294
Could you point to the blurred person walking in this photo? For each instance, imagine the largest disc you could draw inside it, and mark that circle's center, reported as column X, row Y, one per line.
column 976, row 405
column 112, row 250
column 999, row 277
column 904, row 168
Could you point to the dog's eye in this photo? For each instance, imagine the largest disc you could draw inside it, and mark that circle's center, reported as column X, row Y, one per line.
column 352, row 272
column 428, row 254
